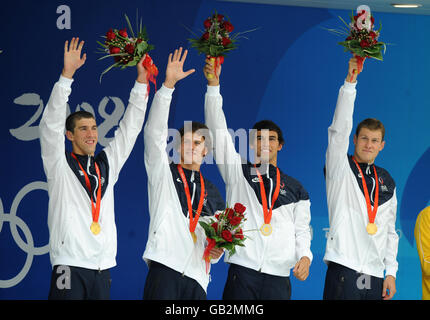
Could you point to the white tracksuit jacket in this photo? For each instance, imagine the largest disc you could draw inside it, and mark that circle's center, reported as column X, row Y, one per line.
column 69, row 214
column 290, row 240
column 169, row 239
column 348, row 242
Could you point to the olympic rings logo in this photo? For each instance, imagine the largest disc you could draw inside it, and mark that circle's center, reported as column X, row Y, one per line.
column 14, row 222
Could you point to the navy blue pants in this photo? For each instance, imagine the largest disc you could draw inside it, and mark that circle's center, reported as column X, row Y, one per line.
column 248, row 284
column 342, row 283
column 74, row 283
column 164, row 283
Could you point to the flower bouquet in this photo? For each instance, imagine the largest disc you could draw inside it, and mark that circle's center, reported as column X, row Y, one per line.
column 217, row 39
column 362, row 39
column 127, row 51
column 225, row 231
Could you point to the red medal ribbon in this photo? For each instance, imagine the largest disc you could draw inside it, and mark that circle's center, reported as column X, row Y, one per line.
column 152, row 71
column 95, row 209
column 370, row 213
column 268, row 213
column 193, row 220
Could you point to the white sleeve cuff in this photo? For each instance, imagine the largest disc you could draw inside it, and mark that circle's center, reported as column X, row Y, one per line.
column 349, row 86
column 213, row 90
column 166, row 92
column 140, row 86
column 65, row 82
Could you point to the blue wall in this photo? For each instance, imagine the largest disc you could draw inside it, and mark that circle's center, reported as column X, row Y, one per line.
column 289, row 70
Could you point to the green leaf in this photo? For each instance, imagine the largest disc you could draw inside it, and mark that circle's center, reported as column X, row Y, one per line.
column 129, row 25
column 116, row 64
column 113, row 55
column 141, row 47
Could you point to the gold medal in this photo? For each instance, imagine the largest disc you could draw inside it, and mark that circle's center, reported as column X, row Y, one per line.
column 371, row 228
column 193, row 234
column 95, row 228
column 266, row 229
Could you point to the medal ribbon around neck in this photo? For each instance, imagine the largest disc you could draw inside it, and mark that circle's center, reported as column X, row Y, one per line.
column 370, row 213
column 268, row 213
column 193, row 220
column 95, row 209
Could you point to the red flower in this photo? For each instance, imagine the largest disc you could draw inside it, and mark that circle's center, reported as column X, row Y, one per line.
column 208, row 23
column 226, row 41
column 226, row 235
column 123, row 33
column 114, row 50
column 228, row 26
column 235, row 220
column 215, row 226
column 372, row 19
column 239, row 208
column 239, row 234
column 129, row 48
column 372, row 34
column 220, row 17
column 110, row 35
column 205, row 36
column 229, row 213
column 364, row 44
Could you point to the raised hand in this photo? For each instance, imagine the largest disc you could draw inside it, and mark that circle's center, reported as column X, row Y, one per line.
column 209, row 71
column 174, row 71
column 141, row 71
column 72, row 57
column 355, row 66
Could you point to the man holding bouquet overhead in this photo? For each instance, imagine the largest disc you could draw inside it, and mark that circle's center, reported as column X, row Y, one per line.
column 179, row 196
column 278, row 207
column 362, row 242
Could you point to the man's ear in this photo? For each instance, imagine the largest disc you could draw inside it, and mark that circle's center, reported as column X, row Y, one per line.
column 382, row 145
column 280, row 147
column 355, row 139
column 69, row 135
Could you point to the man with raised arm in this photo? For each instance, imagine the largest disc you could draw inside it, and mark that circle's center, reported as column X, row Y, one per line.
column 179, row 196
column 278, row 207
column 81, row 220
column 362, row 241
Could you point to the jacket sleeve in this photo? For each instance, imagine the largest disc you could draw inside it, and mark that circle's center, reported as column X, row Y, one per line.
column 52, row 127
column 390, row 261
column 156, row 132
column 228, row 160
column 422, row 238
column 302, row 219
column 120, row 147
column 340, row 130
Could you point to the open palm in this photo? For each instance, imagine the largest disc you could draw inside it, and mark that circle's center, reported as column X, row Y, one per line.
column 175, row 65
column 72, row 57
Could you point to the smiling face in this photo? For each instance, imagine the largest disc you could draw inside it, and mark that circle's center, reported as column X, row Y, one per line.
column 84, row 136
column 266, row 146
column 193, row 150
column 368, row 144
